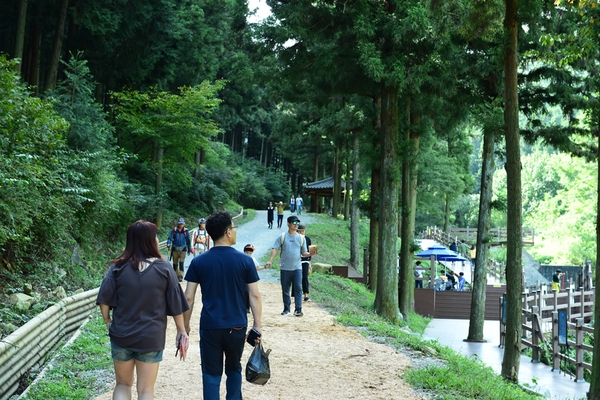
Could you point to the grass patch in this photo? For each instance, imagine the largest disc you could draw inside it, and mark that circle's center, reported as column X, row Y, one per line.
column 81, row 370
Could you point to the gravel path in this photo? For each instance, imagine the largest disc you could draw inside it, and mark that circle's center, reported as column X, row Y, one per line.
column 257, row 233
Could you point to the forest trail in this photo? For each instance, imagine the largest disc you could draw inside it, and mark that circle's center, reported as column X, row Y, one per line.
column 312, row 357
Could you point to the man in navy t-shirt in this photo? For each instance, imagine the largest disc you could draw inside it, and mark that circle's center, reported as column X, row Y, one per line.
column 223, row 274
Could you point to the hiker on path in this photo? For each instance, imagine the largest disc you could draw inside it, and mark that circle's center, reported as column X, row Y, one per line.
column 280, row 208
column 201, row 238
column 299, row 205
column 293, row 247
column 292, row 204
column 306, row 267
column 142, row 290
column 180, row 239
column 224, row 274
column 270, row 216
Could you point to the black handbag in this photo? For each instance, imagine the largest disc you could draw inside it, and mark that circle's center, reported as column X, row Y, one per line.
column 258, row 370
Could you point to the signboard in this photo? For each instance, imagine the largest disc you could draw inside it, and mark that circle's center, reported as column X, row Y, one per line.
column 562, row 328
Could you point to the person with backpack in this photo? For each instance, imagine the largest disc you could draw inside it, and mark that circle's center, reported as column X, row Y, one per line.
column 180, row 239
column 293, row 247
column 201, row 238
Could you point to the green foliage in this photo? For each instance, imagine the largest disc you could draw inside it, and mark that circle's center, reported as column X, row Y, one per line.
column 80, row 370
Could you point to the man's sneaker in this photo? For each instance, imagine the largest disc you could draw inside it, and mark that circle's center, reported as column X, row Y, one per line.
column 285, row 312
column 298, row 313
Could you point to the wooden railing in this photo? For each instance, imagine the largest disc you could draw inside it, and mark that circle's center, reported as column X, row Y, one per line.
column 541, row 310
column 496, row 236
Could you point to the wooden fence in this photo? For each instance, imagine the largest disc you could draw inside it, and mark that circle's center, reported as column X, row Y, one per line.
column 28, row 346
column 541, row 310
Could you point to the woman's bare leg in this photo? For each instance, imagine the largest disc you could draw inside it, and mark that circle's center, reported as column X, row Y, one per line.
column 146, row 378
column 124, row 376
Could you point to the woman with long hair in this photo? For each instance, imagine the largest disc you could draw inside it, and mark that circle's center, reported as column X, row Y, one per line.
column 141, row 289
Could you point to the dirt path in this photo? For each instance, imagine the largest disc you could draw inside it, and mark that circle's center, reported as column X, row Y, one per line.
column 312, row 358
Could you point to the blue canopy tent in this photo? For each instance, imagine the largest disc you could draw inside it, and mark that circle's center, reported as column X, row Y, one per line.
column 441, row 253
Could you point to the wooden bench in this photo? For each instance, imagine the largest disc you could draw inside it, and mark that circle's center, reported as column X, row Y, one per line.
column 347, row 272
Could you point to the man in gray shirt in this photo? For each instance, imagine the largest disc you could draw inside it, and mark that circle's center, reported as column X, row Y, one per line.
column 293, row 247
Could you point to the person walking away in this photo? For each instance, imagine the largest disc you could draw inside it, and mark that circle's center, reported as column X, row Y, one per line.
column 201, row 238
column 306, row 267
column 280, row 208
column 270, row 216
column 223, row 274
column 292, row 204
column 453, row 247
column 249, row 250
column 418, row 276
column 473, row 254
column 299, row 205
column 141, row 289
column 293, row 247
column 179, row 238
column 556, row 277
column 461, row 281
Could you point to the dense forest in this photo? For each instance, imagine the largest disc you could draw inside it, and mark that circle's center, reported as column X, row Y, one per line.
column 464, row 113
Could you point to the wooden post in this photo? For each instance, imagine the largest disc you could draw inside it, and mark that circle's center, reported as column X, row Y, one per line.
column 569, row 304
column 579, row 350
column 555, row 347
column 535, row 339
column 539, row 299
column 432, row 277
column 582, row 302
column 502, row 326
column 366, row 265
column 524, row 315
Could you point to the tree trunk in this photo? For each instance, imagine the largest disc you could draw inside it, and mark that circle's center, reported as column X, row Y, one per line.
column 374, row 203
column 20, row 35
column 337, row 184
column 594, row 393
column 52, row 74
column 514, row 270
column 477, row 316
column 34, row 62
column 158, row 165
column 314, row 199
column 354, row 249
column 447, row 213
column 347, row 191
column 386, row 297
column 415, row 146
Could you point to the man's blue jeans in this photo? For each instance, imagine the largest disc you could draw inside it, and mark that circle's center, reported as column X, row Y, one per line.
column 293, row 279
column 213, row 344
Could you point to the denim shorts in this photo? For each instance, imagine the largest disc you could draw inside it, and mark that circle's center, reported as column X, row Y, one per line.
column 123, row 355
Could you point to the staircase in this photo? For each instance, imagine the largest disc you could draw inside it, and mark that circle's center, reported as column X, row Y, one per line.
column 495, row 268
